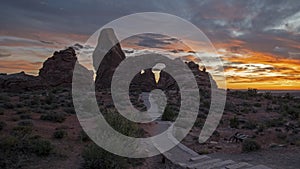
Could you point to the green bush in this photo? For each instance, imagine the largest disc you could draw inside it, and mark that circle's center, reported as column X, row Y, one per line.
column 252, row 92
column 234, row 122
column 281, row 136
column 41, row 147
column 268, row 95
column 294, row 114
column 15, row 118
column 95, row 157
column 59, row 134
column 250, row 145
column 50, row 98
column 2, row 125
column 2, row 111
column 25, row 123
column 54, row 117
column 35, row 100
column 122, row 124
column 257, row 104
column 275, row 123
column 69, row 110
column 15, row 151
column 83, row 136
column 8, row 106
column 250, row 125
column 169, row 114
column 21, row 131
column 199, row 122
column 25, row 116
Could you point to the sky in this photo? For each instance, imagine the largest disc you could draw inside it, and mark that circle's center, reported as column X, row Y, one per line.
column 259, row 41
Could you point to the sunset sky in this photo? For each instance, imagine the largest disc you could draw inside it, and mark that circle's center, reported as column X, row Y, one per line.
column 259, row 41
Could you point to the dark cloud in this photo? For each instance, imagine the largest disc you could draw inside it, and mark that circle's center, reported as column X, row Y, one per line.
column 47, row 42
column 178, row 51
column 155, row 40
column 253, row 22
column 4, row 54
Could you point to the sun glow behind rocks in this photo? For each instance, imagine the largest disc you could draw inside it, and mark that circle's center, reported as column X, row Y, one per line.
column 247, row 32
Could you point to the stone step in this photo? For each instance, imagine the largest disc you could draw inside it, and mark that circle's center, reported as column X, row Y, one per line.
column 238, row 165
column 204, row 163
column 259, row 167
column 201, row 157
column 219, row 164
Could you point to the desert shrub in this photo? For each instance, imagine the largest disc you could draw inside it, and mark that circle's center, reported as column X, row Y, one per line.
column 281, row 136
column 15, row 150
column 19, row 105
column 49, row 107
column 2, row 125
column 257, row 104
column 246, row 104
column 83, row 136
column 10, row 157
column 69, row 110
column 234, row 122
column 24, row 96
column 21, row 131
column 252, row 92
column 50, row 98
column 230, row 106
column 15, row 118
column 4, row 98
column 206, row 103
column 169, row 114
column 260, row 128
column 268, row 95
column 8, row 105
column 59, row 134
column 122, row 124
column 40, row 111
column 288, row 96
column 54, row 117
column 199, row 122
column 250, row 145
column 202, row 152
column 41, row 147
column 293, row 113
column 269, row 108
column 216, row 133
column 22, row 111
column 95, row 157
column 25, row 123
column 25, row 116
column 275, row 122
column 294, row 140
column 250, row 125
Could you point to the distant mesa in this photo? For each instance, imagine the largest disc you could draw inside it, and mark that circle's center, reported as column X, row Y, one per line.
column 20, row 81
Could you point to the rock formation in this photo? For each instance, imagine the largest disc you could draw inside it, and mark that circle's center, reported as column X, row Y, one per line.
column 111, row 59
column 56, row 71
